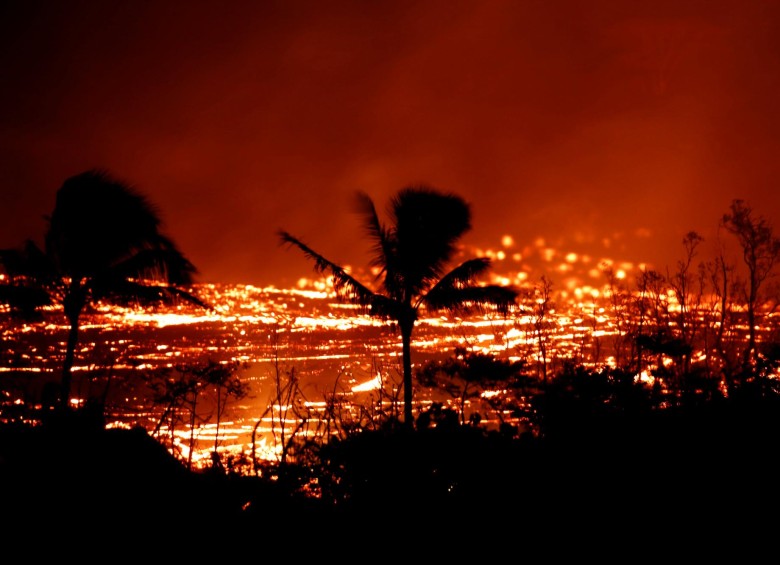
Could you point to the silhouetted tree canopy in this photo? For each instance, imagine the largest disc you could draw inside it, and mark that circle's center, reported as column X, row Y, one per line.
column 412, row 255
column 103, row 242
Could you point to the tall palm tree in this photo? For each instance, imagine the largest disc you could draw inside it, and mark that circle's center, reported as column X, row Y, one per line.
column 103, row 243
column 412, row 255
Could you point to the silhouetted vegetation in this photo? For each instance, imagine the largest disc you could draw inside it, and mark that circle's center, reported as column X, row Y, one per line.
column 675, row 433
column 103, row 243
column 412, row 255
column 194, row 395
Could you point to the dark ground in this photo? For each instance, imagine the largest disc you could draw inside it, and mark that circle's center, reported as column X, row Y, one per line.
column 703, row 486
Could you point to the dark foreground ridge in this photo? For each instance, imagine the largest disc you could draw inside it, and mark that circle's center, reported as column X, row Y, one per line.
column 700, row 478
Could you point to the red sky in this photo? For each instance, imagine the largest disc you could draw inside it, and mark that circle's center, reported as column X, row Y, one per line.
column 570, row 120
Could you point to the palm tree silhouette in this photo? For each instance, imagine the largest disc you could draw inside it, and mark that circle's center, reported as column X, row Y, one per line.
column 412, row 255
column 103, row 243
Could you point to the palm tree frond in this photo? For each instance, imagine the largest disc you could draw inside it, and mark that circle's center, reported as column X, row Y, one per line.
column 346, row 286
column 466, row 273
column 472, row 299
column 385, row 307
column 350, row 289
column 383, row 244
column 129, row 292
column 158, row 263
column 428, row 225
column 97, row 221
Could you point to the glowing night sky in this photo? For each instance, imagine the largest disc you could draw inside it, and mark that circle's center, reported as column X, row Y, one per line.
column 588, row 123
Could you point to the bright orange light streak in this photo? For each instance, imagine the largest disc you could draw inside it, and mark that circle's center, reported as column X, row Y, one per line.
column 373, row 384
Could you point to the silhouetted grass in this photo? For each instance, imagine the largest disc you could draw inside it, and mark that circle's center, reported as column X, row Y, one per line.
column 683, row 472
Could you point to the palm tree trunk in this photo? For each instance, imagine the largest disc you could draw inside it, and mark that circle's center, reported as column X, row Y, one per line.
column 406, row 340
column 73, row 304
column 67, row 366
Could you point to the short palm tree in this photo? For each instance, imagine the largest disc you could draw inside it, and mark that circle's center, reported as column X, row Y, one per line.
column 103, row 243
column 412, row 255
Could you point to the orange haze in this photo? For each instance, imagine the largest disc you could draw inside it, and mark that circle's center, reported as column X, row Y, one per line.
column 607, row 127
